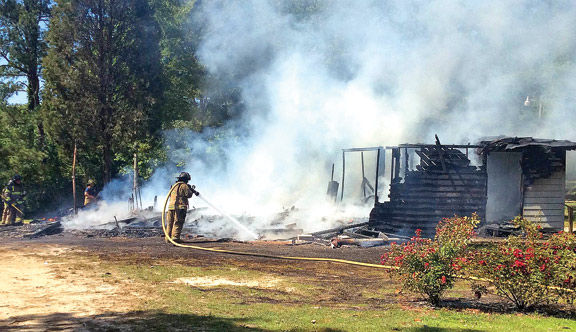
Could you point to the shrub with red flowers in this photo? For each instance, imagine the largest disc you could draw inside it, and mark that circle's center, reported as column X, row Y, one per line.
column 526, row 269
column 562, row 248
column 428, row 266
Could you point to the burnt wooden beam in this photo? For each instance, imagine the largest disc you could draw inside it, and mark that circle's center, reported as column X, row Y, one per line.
column 339, row 229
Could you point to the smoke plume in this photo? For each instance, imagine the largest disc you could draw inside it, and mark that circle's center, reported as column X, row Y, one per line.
column 318, row 76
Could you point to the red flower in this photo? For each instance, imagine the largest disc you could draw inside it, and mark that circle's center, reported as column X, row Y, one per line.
column 529, row 253
column 482, row 262
column 426, row 265
column 518, row 263
column 543, row 267
column 443, row 280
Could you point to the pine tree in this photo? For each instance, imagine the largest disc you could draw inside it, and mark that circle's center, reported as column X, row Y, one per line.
column 102, row 78
column 22, row 47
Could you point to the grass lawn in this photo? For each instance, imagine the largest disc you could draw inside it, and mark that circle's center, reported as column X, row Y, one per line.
column 224, row 297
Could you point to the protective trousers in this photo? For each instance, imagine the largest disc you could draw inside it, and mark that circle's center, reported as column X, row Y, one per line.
column 10, row 215
column 174, row 223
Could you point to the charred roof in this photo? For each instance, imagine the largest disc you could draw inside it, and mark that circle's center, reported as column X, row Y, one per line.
column 503, row 144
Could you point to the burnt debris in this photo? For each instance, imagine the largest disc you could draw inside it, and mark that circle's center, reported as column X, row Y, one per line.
column 443, row 184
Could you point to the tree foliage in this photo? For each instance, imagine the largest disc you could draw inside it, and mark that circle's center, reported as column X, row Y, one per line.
column 109, row 76
column 103, row 86
column 182, row 73
column 22, row 47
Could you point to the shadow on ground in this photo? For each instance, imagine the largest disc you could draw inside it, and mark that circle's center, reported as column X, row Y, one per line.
column 438, row 329
column 132, row 321
column 557, row 311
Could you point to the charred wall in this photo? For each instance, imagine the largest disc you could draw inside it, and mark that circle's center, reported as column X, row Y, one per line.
column 444, row 184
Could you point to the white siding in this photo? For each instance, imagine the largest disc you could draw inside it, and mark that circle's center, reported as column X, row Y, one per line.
column 504, row 186
column 544, row 201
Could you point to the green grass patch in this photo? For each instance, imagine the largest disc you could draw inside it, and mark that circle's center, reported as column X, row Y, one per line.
column 292, row 304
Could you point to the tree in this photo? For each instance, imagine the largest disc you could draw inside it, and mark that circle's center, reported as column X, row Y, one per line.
column 22, row 46
column 102, row 76
column 182, row 73
column 193, row 98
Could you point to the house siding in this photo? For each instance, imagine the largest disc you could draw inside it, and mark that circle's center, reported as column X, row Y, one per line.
column 544, row 200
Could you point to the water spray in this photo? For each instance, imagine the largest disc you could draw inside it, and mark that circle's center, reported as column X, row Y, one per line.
column 234, row 220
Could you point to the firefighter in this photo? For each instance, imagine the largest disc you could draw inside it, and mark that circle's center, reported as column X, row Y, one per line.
column 178, row 206
column 90, row 194
column 13, row 197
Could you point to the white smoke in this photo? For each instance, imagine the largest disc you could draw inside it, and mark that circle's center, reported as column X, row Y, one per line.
column 367, row 73
column 99, row 216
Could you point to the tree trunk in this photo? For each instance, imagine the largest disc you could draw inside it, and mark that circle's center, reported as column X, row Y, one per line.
column 32, row 39
column 34, row 102
column 107, row 159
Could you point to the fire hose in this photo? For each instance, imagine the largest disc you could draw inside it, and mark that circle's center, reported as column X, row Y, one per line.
column 241, row 253
column 313, row 259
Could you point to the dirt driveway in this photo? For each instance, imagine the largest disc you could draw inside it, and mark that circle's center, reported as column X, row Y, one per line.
column 41, row 291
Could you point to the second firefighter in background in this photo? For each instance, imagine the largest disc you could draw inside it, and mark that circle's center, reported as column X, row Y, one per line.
column 13, row 197
column 178, row 206
column 90, row 194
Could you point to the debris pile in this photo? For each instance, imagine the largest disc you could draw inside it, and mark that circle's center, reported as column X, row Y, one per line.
column 283, row 229
column 358, row 233
column 32, row 229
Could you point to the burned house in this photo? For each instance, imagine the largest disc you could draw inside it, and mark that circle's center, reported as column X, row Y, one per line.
column 526, row 177
column 497, row 179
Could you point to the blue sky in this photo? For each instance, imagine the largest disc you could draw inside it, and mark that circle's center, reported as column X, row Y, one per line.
column 19, row 97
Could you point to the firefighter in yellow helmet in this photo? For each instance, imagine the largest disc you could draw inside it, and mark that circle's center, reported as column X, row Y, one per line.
column 13, row 197
column 178, row 206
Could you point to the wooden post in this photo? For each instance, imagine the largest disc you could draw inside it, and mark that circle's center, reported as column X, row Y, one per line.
column 332, row 176
column 406, row 162
column 397, row 168
column 140, row 197
column 377, row 175
column 135, row 184
column 74, row 179
column 343, row 173
column 392, row 168
column 363, row 175
column 570, row 219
